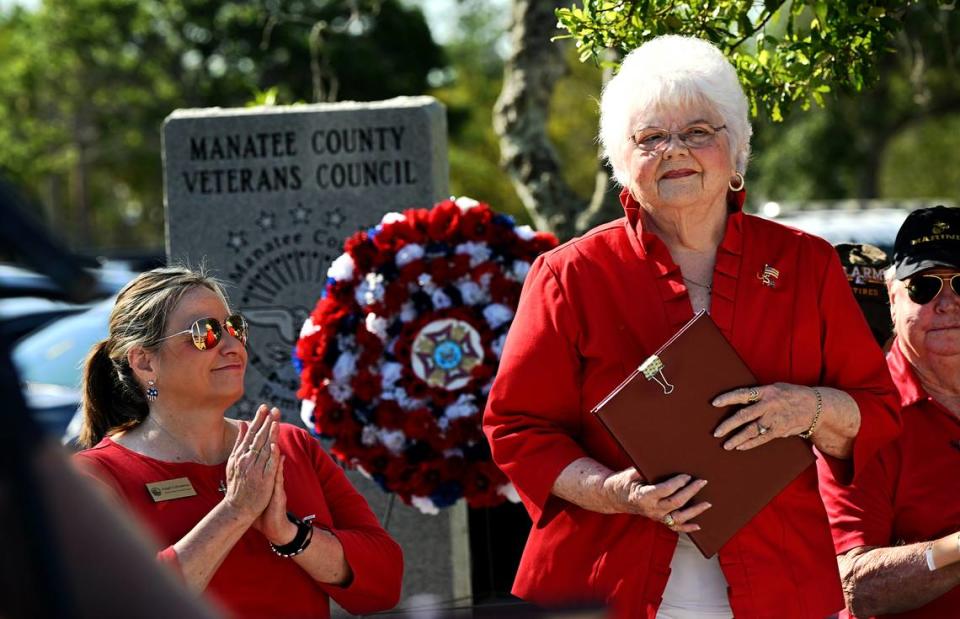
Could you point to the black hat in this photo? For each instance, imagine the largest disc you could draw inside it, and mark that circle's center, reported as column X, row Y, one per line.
column 865, row 265
column 928, row 238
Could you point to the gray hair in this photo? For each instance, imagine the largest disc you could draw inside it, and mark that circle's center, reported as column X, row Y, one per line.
column 669, row 71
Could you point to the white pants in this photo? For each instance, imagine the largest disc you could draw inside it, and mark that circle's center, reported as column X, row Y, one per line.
column 697, row 588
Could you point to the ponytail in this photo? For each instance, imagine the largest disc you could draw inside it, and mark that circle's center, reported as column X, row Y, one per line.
column 112, row 400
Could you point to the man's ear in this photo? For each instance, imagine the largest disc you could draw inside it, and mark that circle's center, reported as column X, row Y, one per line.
column 142, row 362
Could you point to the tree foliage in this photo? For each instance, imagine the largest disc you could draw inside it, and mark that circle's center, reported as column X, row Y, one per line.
column 85, row 85
column 892, row 140
column 787, row 52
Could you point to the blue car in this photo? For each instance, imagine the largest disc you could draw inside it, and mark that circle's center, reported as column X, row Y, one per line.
column 50, row 361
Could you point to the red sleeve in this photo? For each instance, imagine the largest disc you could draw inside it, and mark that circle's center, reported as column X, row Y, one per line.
column 101, row 476
column 533, row 410
column 375, row 559
column 861, row 513
column 853, row 362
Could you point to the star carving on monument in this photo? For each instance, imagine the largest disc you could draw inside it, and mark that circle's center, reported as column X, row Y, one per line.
column 236, row 239
column 335, row 218
column 300, row 214
column 266, row 221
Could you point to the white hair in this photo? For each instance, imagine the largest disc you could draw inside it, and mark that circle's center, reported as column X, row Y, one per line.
column 671, row 71
column 890, row 274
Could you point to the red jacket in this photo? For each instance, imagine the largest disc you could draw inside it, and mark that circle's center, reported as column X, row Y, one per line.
column 907, row 494
column 590, row 312
column 252, row 581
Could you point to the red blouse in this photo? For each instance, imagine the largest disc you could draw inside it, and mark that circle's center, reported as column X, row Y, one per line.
column 904, row 496
column 252, row 581
column 596, row 307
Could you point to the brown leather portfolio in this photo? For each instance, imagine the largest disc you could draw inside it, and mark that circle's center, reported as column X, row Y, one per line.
column 662, row 417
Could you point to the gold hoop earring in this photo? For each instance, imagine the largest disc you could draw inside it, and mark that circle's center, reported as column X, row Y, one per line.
column 738, row 187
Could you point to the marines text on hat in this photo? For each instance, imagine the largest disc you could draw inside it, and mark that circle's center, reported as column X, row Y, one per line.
column 929, row 238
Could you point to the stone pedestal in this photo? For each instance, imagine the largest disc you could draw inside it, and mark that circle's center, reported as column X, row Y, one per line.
column 264, row 198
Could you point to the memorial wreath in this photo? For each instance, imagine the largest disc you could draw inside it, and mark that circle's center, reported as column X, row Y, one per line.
column 399, row 354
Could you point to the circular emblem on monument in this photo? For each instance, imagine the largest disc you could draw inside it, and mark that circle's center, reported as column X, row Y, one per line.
column 444, row 352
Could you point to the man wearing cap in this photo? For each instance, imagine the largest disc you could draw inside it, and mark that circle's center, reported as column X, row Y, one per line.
column 896, row 528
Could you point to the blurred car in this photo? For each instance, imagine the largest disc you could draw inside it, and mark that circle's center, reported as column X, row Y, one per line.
column 21, row 315
column 29, row 300
column 876, row 226
column 50, row 360
column 17, row 281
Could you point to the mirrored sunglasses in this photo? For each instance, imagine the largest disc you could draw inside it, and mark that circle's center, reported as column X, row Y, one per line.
column 206, row 333
column 924, row 288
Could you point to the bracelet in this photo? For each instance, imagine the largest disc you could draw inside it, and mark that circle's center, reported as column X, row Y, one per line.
column 816, row 416
column 300, row 541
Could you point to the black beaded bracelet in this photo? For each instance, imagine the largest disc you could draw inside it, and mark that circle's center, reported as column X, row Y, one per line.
column 300, row 541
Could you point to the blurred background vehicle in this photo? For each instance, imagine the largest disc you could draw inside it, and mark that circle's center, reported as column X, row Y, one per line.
column 847, row 221
column 21, row 315
column 49, row 363
column 29, row 300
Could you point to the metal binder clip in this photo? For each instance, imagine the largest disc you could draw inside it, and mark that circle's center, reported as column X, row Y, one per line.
column 652, row 369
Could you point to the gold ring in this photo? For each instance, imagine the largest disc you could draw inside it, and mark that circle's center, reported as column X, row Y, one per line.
column 669, row 521
column 255, row 450
column 754, row 395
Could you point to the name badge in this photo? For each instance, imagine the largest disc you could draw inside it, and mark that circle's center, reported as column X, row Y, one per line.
column 170, row 489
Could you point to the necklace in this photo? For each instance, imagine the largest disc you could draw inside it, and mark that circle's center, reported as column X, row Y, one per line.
column 690, row 281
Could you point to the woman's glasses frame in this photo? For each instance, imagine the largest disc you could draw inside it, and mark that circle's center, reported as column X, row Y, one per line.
column 207, row 333
column 921, row 290
column 697, row 135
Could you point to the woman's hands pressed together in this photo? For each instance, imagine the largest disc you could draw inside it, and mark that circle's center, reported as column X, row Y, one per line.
column 253, row 465
column 253, row 473
column 273, row 522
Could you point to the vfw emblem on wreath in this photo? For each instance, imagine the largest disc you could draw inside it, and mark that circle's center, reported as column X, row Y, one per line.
column 444, row 353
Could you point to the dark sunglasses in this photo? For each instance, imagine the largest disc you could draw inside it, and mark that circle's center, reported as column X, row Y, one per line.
column 924, row 288
column 206, row 333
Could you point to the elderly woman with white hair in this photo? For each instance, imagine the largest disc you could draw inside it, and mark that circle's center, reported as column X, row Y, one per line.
column 675, row 130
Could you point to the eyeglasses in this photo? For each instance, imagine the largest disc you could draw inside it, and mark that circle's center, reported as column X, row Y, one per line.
column 694, row 136
column 924, row 288
column 207, row 332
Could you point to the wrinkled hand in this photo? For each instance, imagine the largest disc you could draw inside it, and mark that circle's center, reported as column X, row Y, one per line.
column 252, row 465
column 782, row 410
column 628, row 493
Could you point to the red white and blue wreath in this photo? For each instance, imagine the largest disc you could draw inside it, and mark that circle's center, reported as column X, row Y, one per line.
column 398, row 356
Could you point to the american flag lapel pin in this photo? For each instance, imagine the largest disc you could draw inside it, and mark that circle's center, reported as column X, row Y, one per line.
column 769, row 276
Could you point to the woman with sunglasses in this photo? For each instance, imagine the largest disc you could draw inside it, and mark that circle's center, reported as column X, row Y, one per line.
column 675, row 127
column 254, row 514
column 899, row 522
